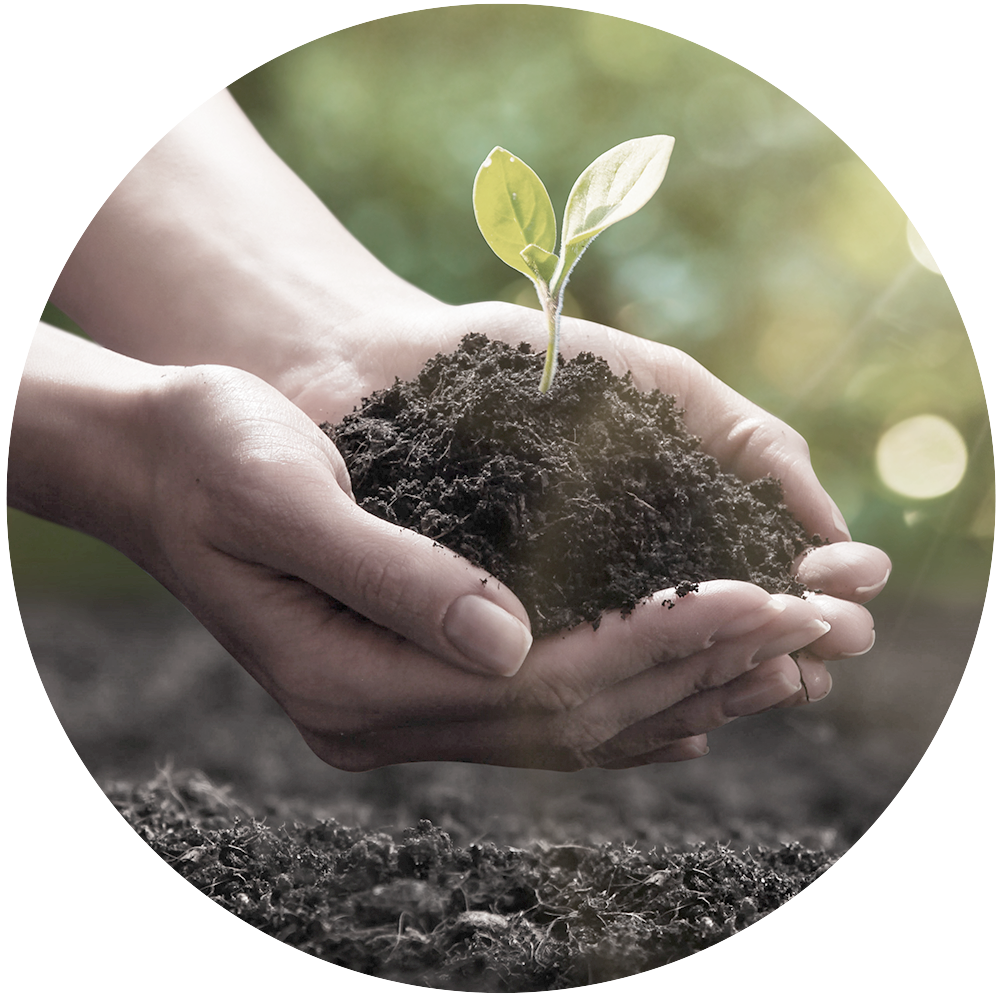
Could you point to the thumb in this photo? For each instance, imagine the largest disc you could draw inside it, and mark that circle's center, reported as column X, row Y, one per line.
column 405, row 582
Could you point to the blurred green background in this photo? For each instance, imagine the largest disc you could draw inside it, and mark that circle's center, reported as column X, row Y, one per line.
column 771, row 253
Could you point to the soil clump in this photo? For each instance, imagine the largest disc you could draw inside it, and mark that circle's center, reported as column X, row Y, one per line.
column 585, row 499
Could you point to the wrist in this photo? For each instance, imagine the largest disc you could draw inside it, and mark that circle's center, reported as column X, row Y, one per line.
column 77, row 452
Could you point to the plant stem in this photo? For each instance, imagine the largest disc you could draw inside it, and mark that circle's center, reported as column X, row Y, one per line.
column 550, row 307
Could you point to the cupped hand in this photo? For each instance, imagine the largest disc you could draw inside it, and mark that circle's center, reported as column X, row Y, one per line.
column 351, row 623
column 368, row 352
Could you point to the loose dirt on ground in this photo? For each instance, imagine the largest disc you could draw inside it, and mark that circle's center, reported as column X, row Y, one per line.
column 417, row 908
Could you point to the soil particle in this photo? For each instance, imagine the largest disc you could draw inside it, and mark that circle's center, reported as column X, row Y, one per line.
column 585, row 499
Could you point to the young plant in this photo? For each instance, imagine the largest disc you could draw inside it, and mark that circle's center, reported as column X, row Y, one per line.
column 516, row 218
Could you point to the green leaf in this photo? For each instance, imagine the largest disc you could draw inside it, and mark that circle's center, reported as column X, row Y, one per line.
column 617, row 184
column 541, row 263
column 513, row 209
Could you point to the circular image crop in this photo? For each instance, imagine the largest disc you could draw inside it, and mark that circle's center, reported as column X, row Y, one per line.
column 315, row 699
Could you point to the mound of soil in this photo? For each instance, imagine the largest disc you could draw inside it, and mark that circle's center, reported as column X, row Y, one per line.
column 416, row 908
column 584, row 499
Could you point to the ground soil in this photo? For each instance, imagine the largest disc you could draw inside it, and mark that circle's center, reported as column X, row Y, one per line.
column 585, row 499
column 420, row 909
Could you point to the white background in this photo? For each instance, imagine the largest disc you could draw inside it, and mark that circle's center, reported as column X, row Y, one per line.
column 88, row 87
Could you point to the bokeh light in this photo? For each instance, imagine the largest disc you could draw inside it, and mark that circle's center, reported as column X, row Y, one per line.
column 922, row 457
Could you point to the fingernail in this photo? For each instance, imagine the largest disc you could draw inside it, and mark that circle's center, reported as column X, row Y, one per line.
column 693, row 747
column 688, row 749
column 814, row 693
column 688, row 753
column 816, row 679
column 769, row 693
column 791, row 641
column 864, row 593
column 749, row 622
column 493, row 639
column 848, row 656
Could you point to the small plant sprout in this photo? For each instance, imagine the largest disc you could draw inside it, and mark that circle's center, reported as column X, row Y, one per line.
column 516, row 218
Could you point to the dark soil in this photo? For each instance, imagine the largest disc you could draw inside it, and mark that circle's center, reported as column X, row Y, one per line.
column 585, row 499
column 418, row 908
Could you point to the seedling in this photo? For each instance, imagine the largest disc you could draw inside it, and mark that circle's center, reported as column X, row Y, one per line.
column 516, row 218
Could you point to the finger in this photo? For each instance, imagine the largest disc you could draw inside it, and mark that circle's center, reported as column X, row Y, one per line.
column 816, row 680
column 852, row 630
column 348, row 682
column 584, row 661
column 422, row 591
column 395, row 577
column 328, row 667
column 753, row 444
column 562, row 672
column 669, row 684
column 767, row 684
column 747, row 440
column 572, row 730
column 541, row 726
column 851, row 571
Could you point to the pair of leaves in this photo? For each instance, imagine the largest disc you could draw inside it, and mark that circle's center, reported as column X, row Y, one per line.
column 515, row 213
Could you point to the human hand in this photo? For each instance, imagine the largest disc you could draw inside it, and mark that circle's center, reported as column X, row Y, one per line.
column 746, row 440
column 232, row 497
column 234, row 226
column 249, row 521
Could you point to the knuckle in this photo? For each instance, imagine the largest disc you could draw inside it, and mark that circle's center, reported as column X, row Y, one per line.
column 380, row 582
column 701, row 684
column 372, row 577
column 796, row 443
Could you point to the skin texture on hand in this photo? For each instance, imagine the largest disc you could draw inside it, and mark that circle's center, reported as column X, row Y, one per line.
column 380, row 646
